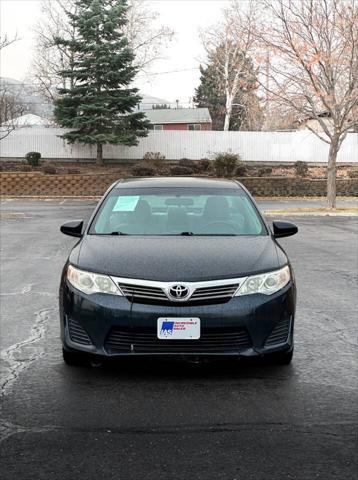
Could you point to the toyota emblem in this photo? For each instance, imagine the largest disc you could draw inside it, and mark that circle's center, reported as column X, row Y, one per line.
column 178, row 292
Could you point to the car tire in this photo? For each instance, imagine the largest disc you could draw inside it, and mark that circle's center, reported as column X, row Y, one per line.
column 73, row 359
column 283, row 358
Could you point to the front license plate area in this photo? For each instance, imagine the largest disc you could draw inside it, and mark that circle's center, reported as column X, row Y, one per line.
column 178, row 328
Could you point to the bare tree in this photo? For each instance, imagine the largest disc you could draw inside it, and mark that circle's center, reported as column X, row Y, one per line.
column 9, row 106
column 145, row 37
column 5, row 41
column 234, row 38
column 313, row 46
column 50, row 59
column 279, row 116
column 9, row 110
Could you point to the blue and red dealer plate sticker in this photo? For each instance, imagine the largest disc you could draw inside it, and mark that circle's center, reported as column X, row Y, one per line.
column 178, row 328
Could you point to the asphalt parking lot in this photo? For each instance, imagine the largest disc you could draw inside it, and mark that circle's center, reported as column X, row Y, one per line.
column 151, row 420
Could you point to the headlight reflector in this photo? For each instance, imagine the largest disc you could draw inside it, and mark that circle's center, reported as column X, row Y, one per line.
column 88, row 282
column 266, row 283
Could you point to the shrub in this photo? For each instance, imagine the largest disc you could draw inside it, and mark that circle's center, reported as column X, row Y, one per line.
column 204, row 165
column 301, row 168
column 33, row 158
column 181, row 170
column 241, row 169
column 353, row 173
column 73, row 171
column 155, row 159
column 49, row 169
column 225, row 164
column 193, row 165
column 264, row 172
column 143, row 170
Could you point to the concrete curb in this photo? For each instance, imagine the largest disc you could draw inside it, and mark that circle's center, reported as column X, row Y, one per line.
column 97, row 197
column 312, row 213
column 9, row 198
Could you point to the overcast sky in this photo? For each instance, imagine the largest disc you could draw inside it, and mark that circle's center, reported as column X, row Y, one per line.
column 185, row 17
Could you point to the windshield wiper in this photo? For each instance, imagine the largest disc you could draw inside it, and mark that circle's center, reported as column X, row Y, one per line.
column 118, row 233
column 186, row 234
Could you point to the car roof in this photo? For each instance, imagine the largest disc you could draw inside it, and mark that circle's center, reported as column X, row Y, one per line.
column 176, row 182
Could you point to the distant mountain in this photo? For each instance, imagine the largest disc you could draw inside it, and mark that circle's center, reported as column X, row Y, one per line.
column 4, row 80
column 32, row 101
column 148, row 102
column 27, row 97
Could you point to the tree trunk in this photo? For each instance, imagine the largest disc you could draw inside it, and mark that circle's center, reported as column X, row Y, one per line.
column 227, row 121
column 229, row 101
column 99, row 160
column 331, row 173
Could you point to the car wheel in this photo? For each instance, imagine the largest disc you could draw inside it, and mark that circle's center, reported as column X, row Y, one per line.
column 283, row 358
column 73, row 359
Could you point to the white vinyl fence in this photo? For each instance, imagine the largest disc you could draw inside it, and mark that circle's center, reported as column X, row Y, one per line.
column 252, row 146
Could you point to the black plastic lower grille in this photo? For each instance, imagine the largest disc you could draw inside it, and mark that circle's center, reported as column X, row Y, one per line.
column 212, row 341
column 77, row 333
column 280, row 333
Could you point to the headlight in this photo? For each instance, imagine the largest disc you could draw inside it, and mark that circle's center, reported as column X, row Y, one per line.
column 88, row 282
column 266, row 283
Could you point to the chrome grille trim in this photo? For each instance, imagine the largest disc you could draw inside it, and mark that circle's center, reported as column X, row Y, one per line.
column 138, row 291
column 209, row 293
column 142, row 290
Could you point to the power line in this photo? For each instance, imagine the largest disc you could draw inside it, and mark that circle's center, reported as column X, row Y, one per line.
column 21, row 84
column 169, row 71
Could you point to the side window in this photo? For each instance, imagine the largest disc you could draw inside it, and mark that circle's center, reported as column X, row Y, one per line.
column 102, row 223
column 194, row 126
column 246, row 209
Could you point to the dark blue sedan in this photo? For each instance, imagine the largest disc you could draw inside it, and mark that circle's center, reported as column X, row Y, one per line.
column 177, row 267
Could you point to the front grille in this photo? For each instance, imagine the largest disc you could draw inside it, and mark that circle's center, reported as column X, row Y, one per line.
column 141, row 293
column 77, row 333
column 156, row 295
column 210, row 293
column 144, row 341
column 280, row 333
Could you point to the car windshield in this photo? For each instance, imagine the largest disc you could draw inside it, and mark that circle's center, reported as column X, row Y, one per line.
column 177, row 211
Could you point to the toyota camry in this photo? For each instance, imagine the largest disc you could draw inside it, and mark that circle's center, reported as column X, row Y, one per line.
column 183, row 267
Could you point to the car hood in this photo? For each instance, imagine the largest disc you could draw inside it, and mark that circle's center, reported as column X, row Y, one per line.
column 176, row 258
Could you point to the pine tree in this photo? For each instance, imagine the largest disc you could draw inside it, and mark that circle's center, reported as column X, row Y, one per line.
column 247, row 113
column 98, row 104
column 210, row 94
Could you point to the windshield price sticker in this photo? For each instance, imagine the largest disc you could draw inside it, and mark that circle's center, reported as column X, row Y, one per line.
column 126, row 204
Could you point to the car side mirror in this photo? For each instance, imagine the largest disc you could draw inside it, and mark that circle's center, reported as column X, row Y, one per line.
column 73, row 228
column 284, row 229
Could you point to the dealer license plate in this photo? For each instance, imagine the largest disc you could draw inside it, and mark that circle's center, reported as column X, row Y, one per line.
column 178, row 328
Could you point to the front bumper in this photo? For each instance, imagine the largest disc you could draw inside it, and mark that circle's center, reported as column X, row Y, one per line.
column 112, row 326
